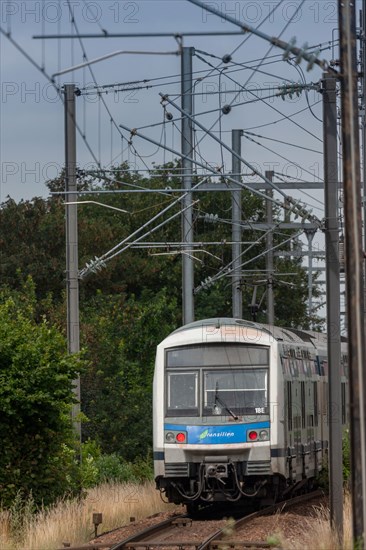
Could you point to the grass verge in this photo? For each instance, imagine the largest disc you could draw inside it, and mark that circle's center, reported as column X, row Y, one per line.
column 71, row 520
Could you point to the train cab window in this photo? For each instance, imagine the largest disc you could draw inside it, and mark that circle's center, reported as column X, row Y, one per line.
column 228, row 391
column 216, row 355
column 182, row 394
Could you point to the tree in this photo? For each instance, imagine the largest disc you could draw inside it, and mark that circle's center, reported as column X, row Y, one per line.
column 131, row 305
column 121, row 337
column 35, row 398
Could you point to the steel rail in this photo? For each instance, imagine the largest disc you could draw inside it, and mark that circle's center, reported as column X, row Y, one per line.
column 216, row 537
column 147, row 533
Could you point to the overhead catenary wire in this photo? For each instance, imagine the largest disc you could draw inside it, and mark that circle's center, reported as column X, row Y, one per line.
column 100, row 175
column 119, row 248
column 287, row 143
column 284, row 117
column 267, row 104
column 243, row 66
column 300, row 211
column 108, row 56
column 250, row 166
column 321, row 203
column 281, row 156
column 271, row 12
column 287, row 47
column 132, row 85
column 90, row 69
column 224, row 272
column 255, row 69
column 52, row 82
column 98, row 263
column 302, row 76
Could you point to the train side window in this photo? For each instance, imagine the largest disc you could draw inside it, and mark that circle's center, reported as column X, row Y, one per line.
column 289, row 405
column 303, row 414
column 315, row 400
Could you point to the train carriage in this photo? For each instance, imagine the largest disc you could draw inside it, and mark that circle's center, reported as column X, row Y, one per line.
column 240, row 411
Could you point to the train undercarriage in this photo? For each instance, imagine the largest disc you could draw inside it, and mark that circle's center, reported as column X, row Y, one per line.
column 209, row 482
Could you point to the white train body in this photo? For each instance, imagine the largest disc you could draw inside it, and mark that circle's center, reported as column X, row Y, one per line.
column 239, row 411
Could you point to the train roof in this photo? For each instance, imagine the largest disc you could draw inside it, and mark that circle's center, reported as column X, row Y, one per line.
column 288, row 335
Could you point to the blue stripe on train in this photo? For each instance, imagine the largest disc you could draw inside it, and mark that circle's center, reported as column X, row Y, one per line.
column 235, row 433
column 158, row 455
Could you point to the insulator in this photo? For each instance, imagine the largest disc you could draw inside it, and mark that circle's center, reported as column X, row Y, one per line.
column 211, row 217
column 227, row 58
column 226, row 109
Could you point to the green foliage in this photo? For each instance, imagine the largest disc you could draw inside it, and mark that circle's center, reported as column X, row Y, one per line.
column 274, row 540
column 126, row 310
column 35, row 399
column 121, row 336
column 346, row 450
column 323, row 476
column 113, row 468
column 32, row 239
column 143, row 468
column 99, row 468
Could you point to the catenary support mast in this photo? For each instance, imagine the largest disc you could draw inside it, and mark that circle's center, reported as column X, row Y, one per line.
column 270, row 255
column 333, row 301
column 354, row 261
column 187, row 167
column 237, row 294
column 72, row 281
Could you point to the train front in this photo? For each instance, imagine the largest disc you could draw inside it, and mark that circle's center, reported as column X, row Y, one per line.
column 211, row 413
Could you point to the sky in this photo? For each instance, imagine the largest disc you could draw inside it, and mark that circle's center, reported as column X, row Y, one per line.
column 32, row 113
column 32, row 131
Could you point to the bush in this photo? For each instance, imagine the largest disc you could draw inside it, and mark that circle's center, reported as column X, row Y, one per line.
column 99, row 468
column 36, row 375
column 113, row 468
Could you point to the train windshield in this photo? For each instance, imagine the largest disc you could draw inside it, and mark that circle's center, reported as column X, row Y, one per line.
column 209, row 380
column 235, row 391
column 182, row 393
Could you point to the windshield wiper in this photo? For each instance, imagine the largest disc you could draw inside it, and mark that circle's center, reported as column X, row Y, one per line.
column 222, row 403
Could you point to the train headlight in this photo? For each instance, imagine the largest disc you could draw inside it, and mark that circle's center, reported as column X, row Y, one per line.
column 264, row 435
column 175, row 436
column 253, row 435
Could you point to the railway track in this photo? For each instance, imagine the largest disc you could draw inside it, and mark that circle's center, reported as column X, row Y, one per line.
column 177, row 532
column 185, row 533
column 220, row 538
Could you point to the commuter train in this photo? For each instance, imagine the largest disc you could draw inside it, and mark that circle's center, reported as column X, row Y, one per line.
column 240, row 412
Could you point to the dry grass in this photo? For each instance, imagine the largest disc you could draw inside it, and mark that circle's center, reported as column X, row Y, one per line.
column 315, row 533
column 5, row 530
column 71, row 521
